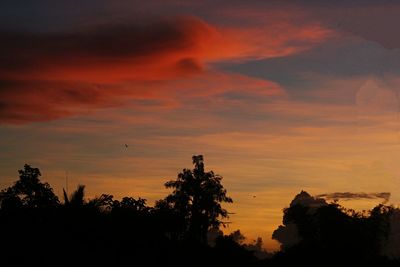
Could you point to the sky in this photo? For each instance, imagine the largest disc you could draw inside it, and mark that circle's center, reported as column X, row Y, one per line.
column 279, row 97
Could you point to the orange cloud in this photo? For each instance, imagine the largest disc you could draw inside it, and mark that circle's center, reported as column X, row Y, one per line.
column 45, row 76
column 164, row 50
column 31, row 101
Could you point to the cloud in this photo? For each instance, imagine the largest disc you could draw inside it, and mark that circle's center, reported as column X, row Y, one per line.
column 376, row 97
column 50, row 75
column 104, row 54
column 372, row 22
column 30, row 101
column 24, row 101
column 163, row 49
column 385, row 196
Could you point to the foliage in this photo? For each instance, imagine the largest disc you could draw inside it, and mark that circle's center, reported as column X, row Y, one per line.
column 326, row 230
column 197, row 196
column 28, row 191
column 38, row 230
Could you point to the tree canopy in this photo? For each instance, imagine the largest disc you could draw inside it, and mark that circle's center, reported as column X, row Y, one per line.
column 183, row 229
column 28, row 191
column 197, row 196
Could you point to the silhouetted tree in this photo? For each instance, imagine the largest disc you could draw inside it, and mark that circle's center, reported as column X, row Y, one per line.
column 197, row 196
column 77, row 198
column 28, row 191
column 127, row 232
column 231, row 250
column 315, row 230
column 174, row 222
column 131, row 204
column 378, row 224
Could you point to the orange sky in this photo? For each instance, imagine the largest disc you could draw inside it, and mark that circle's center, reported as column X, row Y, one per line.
column 278, row 98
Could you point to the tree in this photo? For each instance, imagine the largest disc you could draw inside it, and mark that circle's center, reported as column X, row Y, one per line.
column 131, row 204
column 77, row 200
column 314, row 230
column 197, row 196
column 28, row 191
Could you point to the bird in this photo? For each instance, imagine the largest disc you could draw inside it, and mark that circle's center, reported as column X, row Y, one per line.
column 126, row 146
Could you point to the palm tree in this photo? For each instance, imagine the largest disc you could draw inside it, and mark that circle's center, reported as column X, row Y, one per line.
column 77, row 198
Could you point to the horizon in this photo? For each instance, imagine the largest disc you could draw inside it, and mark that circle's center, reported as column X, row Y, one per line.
column 362, row 203
column 278, row 97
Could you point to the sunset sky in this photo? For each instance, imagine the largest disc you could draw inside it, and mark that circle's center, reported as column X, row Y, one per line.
column 279, row 97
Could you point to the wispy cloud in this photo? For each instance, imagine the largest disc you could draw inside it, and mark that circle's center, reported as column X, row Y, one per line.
column 385, row 196
column 46, row 75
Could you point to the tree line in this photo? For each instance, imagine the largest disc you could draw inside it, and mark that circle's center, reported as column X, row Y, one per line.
column 182, row 229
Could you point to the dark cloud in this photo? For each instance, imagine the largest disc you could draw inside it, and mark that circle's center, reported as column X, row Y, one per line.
column 190, row 65
column 45, row 75
column 75, row 58
column 20, row 51
column 385, row 196
column 371, row 22
column 41, row 101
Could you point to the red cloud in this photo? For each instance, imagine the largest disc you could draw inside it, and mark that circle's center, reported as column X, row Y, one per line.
column 42, row 101
column 46, row 76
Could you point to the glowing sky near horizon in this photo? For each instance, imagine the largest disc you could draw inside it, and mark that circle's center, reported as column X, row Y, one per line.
column 278, row 97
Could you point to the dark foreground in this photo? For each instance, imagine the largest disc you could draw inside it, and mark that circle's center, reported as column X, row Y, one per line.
column 39, row 230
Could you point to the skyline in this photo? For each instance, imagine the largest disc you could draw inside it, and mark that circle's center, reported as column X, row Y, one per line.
column 279, row 98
